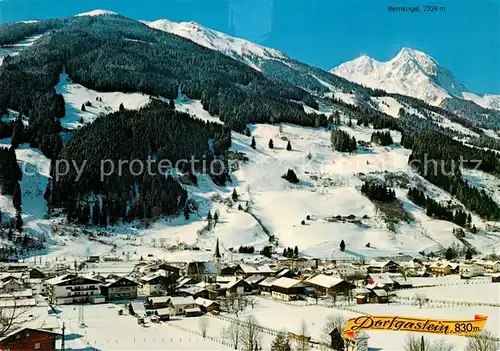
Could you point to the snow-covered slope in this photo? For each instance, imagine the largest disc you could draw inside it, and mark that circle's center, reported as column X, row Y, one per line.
column 96, row 12
column 413, row 73
column 237, row 48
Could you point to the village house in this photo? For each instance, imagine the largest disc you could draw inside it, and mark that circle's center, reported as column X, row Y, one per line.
column 157, row 302
column 10, row 284
column 195, row 291
column 285, row 272
column 163, row 314
column 119, row 289
column 265, row 286
column 29, row 339
column 246, row 270
column 470, row 270
column 328, row 284
column 238, row 286
column 349, row 270
column 489, row 266
column 153, row 283
column 71, row 288
column 254, row 281
column 286, row 289
column 297, row 264
column 206, row 306
column 378, row 296
column 443, row 268
column 35, row 273
column 383, row 267
column 178, row 305
column 137, row 309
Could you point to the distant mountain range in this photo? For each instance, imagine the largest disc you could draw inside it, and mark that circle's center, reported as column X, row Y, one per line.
column 413, row 73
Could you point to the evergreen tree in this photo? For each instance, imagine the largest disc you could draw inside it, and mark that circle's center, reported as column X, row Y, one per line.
column 291, row 176
column 289, row 146
column 96, row 213
column 121, row 108
column 19, row 222
column 341, row 141
column 271, row 144
column 296, row 252
column 281, row 343
column 171, row 104
column 16, row 197
column 83, row 108
column 234, row 195
column 209, row 217
column 450, row 254
column 468, row 254
column 216, row 217
column 342, row 245
column 253, row 144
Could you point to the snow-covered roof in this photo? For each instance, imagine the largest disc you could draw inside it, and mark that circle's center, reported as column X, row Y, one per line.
column 159, row 299
column 254, row 279
column 179, row 300
column 267, row 282
column 325, row 281
column 204, row 302
column 286, row 283
column 163, row 311
column 380, row 292
column 381, row 278
column 192, row 310
column 248, row 269
column 18, row 302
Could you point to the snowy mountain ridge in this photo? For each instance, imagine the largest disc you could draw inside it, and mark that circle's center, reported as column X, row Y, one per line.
column 234, row 47
column 414, row 73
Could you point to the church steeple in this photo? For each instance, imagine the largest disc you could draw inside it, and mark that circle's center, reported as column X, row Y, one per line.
column 217, row 251
column 217, row 255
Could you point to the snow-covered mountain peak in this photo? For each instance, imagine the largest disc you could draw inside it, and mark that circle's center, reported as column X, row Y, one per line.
column 411, row 72
column 237, row 48
column 97, row 12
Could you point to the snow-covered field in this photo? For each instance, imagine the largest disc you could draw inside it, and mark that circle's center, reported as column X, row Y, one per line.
column 105, row 329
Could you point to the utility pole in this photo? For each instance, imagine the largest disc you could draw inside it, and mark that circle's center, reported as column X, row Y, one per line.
column 62, row 341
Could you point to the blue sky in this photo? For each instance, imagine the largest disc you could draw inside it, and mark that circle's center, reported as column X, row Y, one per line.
column 464, row 38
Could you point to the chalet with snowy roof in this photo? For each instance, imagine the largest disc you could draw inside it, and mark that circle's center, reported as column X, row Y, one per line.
column 265, row 286
column 378, row 296
column 71, row 288
column 489, row 266
column 238, row 286
column 29, row 339
column 206, row 305
column 246, row 270
column 383, row 267
column 156, row 302
column 443, row 268
column 35, row 273
column 195, row 291
column 329, row 284
column 297, row 264
column 178, row 305
column 382, row 280
column 121, row 288
column 153, row 283
column 287, row 289
column 11, row 284
column 285, row 272
column 254, row 281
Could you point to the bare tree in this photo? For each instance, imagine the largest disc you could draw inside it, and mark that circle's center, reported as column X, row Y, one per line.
column 252, row 301
column 333, row 297
column 233, row 333
column 240, row 304
column 251, row 334
column 484, row 341
column 303, row 342
column 333, row 321
column 416, row 343
column 203, row 323
column 421, row 299
column 11, row 318
column 442, row 345
column 227, row 304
